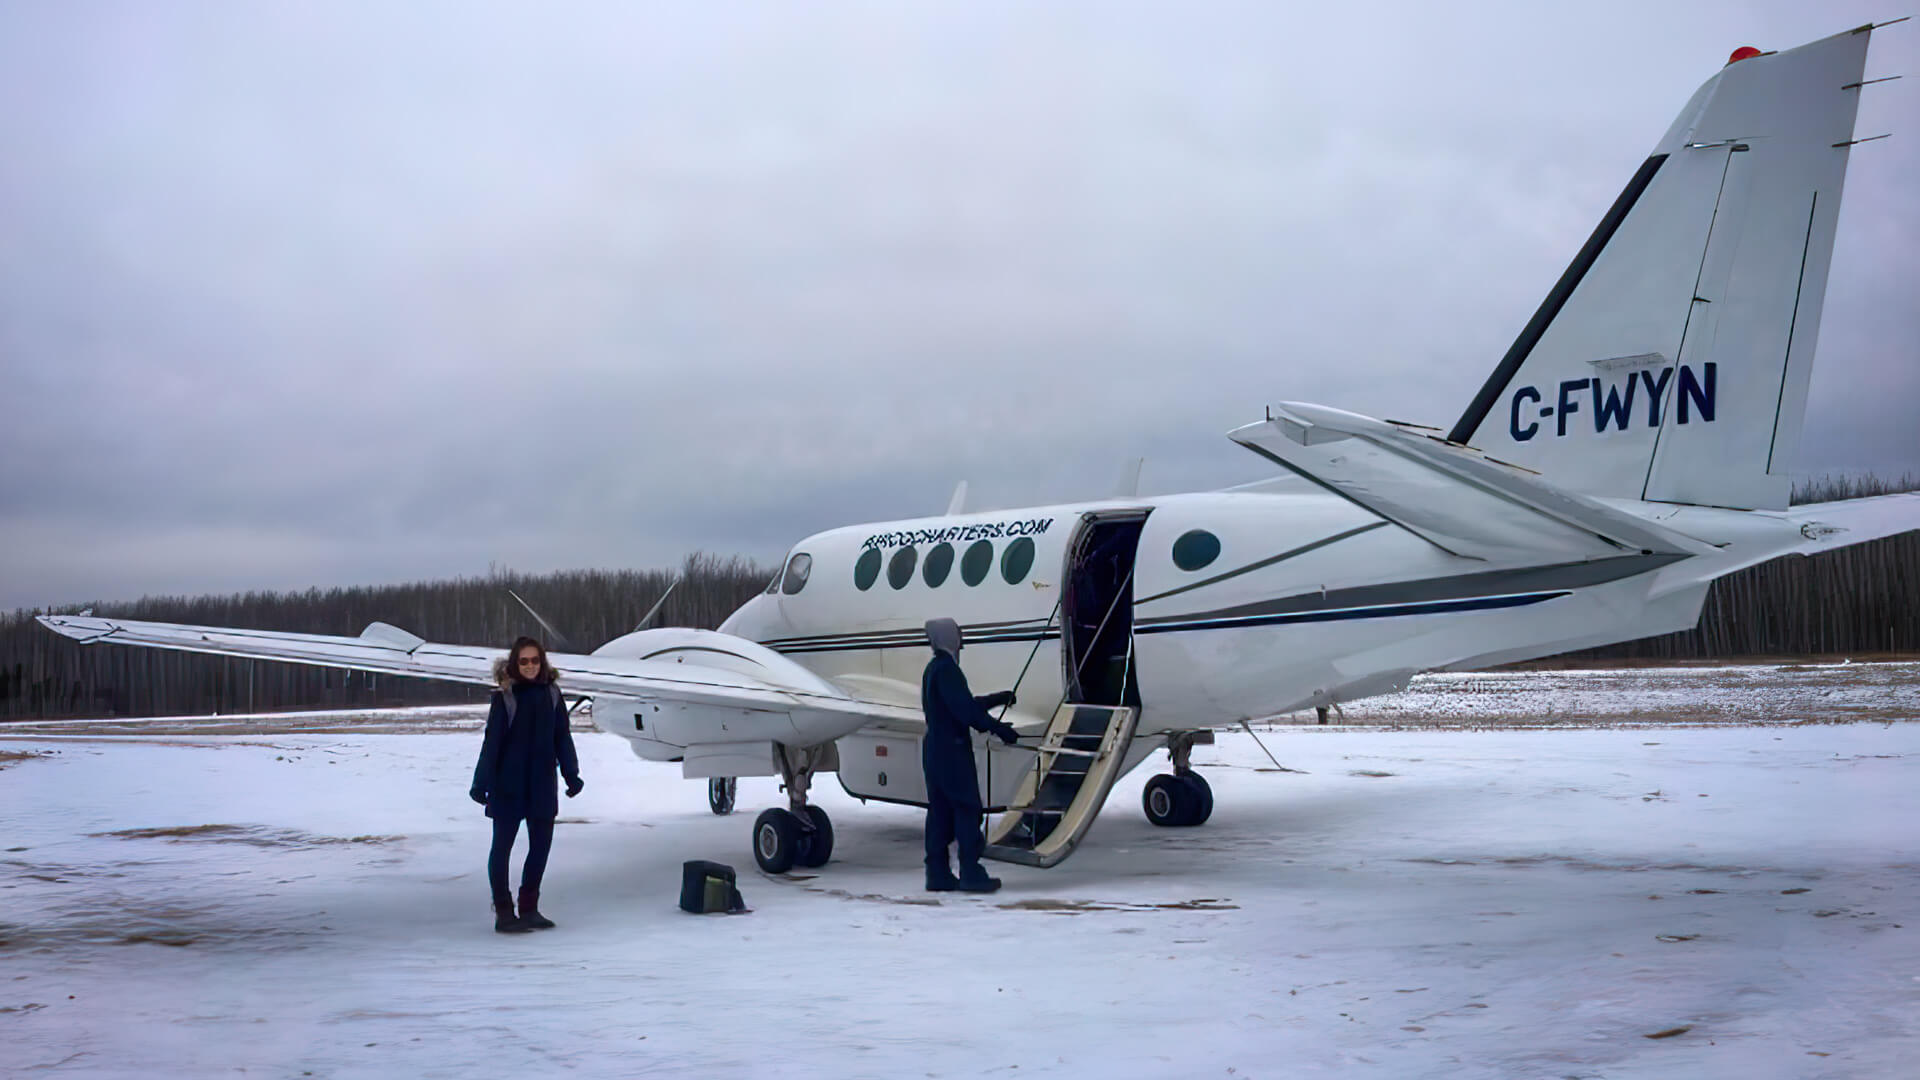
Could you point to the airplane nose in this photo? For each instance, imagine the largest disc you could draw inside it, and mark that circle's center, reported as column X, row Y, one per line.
column 759, row 619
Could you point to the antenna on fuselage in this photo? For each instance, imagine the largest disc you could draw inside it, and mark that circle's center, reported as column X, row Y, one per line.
column 958, row 504
column 1128, row 484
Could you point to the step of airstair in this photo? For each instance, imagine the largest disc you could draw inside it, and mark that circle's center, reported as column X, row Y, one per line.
column 1079, row 757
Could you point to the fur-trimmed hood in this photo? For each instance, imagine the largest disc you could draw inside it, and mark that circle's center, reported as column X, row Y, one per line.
column 503, row 674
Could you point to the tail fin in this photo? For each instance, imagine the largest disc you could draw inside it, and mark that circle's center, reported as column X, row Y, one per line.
column 1670, row 361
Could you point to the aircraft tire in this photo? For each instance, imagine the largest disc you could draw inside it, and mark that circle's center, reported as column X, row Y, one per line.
column 1168, row 801
column 816, row 847
column 776, row 840
column 720, row 794
column 1202, row 793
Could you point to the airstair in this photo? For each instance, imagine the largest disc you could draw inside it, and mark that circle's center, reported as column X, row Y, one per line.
column 1086, row 745
column 1080, row 755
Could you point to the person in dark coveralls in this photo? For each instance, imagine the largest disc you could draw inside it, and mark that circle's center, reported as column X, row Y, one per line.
column 527, row 736
column 953, row 787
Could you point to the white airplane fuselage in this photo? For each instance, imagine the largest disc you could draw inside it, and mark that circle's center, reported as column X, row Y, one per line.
column 1302, row 600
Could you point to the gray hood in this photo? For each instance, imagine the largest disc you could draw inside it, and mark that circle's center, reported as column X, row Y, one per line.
column 944, row 636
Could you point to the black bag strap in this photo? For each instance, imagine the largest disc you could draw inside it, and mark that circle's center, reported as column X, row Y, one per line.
column 559, row 701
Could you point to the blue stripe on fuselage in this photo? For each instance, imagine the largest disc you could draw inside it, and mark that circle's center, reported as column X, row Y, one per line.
column 837, row 643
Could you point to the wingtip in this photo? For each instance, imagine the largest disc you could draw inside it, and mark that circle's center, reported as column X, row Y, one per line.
column 78, row 627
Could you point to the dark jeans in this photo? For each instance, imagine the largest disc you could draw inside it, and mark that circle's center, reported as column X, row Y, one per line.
column 539, row 844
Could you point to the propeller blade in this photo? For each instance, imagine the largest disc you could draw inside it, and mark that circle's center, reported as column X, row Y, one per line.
column 559, row 639
column 657, row 604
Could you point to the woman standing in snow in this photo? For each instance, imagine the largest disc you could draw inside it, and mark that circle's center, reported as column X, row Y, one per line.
column 527, row 737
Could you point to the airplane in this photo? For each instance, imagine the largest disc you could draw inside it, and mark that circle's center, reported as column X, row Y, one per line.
column 1628, row 449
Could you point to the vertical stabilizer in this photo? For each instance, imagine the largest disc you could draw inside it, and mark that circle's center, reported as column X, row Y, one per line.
column 1670, row 361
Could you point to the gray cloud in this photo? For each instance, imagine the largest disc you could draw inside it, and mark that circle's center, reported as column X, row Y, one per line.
column 349, row 293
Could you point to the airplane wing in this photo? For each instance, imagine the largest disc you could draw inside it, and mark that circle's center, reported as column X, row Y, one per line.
column 782, row 687
column 1450, row 495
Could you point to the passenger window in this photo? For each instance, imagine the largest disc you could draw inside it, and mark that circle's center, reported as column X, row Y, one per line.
column 1017, row 560
column 798, row 568
column 1195, row 549
column 900, row 567
column 938, row 565
column 976, row 562
column 867, row 570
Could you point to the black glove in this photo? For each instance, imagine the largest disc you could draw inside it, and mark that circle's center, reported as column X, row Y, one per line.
column 1000, row 700
column 477, row 795
column 574, row 785
column 1006, row 733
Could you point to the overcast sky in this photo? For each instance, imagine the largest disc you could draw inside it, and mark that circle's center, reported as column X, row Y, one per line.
column 333, row 293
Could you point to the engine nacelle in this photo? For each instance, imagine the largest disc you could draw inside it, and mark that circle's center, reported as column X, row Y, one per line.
column 712, row 649
column 716, row 740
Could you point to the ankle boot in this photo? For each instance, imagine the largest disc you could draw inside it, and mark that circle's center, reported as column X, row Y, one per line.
column 974, row 879
column 530, row 916
column 504, row 920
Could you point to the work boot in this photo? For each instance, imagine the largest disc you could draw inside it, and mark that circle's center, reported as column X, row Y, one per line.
column 974, row 879
column 940, row 879
column 504, row 920
column 530, row 915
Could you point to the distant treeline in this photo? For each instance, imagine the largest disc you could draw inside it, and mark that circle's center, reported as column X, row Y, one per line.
column 1860, row 599
column 45, row 675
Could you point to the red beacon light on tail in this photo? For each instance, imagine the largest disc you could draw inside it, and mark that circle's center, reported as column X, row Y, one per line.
column 1744, row 52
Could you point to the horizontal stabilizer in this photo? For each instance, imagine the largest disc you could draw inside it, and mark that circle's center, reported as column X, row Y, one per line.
column 1452, row 496
column 1855, row 521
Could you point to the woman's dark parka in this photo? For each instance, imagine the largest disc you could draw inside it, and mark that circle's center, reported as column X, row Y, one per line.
column 527, row 739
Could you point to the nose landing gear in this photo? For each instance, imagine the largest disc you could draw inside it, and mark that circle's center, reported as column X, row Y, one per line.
column 1183, row 797
column 720, row 794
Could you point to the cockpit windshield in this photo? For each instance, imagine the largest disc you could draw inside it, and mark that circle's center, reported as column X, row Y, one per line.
column 795, row 577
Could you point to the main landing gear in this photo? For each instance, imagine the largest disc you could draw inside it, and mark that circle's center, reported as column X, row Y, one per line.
column 1182, row 797
column 802, row 835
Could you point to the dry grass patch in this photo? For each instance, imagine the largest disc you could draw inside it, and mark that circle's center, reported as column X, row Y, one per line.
column 254, row 835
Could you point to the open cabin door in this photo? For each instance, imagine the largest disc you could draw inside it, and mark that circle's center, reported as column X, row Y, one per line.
column 1084, row 748
column 1096, row 611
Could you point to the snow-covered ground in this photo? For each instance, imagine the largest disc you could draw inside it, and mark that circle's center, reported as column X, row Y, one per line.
column 1458, row 903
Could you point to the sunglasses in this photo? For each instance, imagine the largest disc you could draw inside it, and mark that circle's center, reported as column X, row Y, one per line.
column 529, row 661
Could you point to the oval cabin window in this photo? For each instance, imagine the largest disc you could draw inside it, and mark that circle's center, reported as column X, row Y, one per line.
column 976, row 562
column 867, row 570
column 1195, row 550
column 900, row 567
column 938, row 565
column 798, row 568
column 1017, row 560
